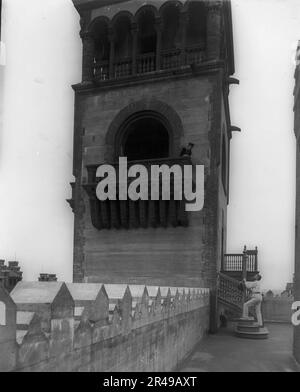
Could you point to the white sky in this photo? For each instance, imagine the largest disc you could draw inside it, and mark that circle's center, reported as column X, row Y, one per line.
column 43, row 53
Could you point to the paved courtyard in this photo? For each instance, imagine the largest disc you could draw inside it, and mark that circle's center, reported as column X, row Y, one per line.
column 224, row 352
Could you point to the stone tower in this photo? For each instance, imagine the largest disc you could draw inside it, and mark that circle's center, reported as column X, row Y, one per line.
column 155, row 77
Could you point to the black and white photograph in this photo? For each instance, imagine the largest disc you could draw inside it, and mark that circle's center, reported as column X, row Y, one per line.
column 149, row 189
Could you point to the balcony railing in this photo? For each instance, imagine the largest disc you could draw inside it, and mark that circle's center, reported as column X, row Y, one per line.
column 127, row 214
column 194, row 55
column 101, row 70
column 171, row 59
column 122, row 68
column 147, row 63
column 246, row 261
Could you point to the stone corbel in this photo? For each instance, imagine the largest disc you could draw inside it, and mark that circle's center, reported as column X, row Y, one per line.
column 85, row 19
column 235, row 129
column 233, row 81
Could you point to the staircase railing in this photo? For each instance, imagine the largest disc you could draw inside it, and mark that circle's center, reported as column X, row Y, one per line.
column 246, row 261
column 229, row 291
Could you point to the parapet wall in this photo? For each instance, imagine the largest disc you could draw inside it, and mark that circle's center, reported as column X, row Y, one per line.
column 148, row 329
column 278, row 309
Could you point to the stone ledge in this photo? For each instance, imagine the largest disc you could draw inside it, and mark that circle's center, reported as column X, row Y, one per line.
column 207, row 68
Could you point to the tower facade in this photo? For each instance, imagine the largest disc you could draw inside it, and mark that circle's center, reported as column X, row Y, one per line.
column 155, row 77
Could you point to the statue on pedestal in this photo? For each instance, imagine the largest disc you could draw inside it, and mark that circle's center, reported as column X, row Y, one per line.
column 256, row 299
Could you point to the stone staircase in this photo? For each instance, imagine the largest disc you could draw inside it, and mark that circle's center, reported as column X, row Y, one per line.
column 232, row 298
column 249, row 329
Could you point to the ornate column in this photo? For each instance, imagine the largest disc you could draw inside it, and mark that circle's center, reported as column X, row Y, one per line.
column 214, row 29
column 244, row 271
column 244, row 263
column 134, row 32
column 88, row 56
column 111, row 37
column 158, row 27
column 184, row 18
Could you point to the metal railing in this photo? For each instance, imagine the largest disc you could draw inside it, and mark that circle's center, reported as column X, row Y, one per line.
column 230, row 291
column 246, row 261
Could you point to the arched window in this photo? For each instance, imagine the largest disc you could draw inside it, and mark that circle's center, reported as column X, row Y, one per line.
column 147, row 32
column 171, row 26
column 123, row 46
column 123, row 37
column 145, row 138
column 102, row 49
column 2, row 313
column 224, row 164
column 102, row 46
column 196, row 30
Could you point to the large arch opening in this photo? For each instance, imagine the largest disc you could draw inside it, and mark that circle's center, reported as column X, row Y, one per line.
column 145, row 138
column 148, row 131
column 150, row 108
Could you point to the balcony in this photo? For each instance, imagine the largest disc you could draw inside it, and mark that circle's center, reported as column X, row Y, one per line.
column 148, row 63
column 127, row 214
column 241, row 265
